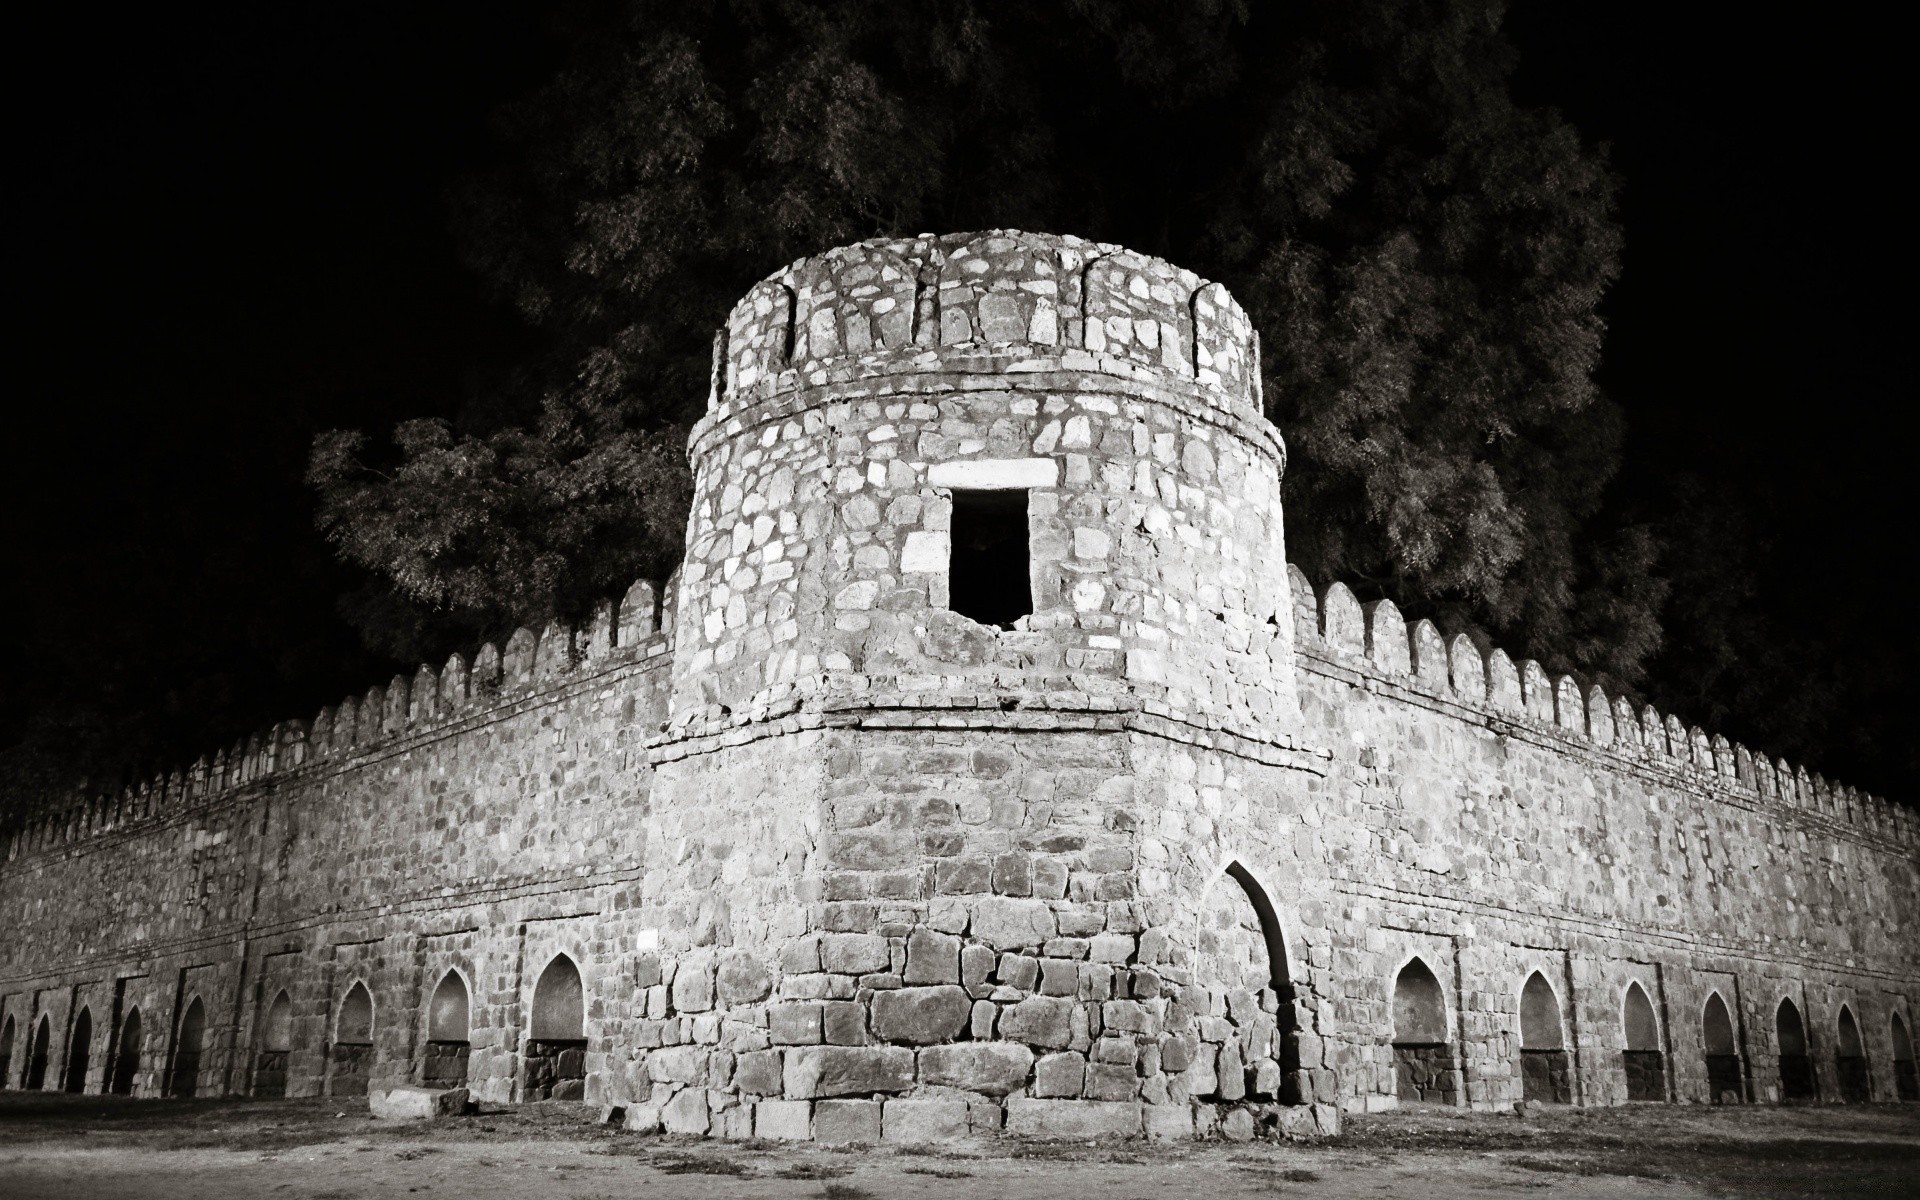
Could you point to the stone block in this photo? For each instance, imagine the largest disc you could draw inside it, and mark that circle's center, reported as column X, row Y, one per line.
column 1007, row 923
column 416, row 1103
column 757, row 1073
column 1045, row 1021
column 932, row 957
column 643, row 1118
column 854, row 953
column 1168, row 1122
column 928, row 1120
column 783, row 1120
column 795, row 1024
column 812, row 1071
column 1111, row 1081
column 686, row 1112
column 1060, row 1076
column 844, row 1023
column 1072, row 1118
column 921, row 1015
column 741, row 979
column 976, row 966
column 846, row 1121
column 992, row 1068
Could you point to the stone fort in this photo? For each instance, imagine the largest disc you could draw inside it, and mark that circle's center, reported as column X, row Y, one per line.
column 984, row 767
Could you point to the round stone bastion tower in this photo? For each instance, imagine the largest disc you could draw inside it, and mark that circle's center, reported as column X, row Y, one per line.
column 982, row 703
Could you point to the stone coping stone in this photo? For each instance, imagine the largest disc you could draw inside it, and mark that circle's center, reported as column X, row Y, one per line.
column 417, row 1103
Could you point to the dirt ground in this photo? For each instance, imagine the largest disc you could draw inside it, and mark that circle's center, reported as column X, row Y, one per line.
column 87, row 1147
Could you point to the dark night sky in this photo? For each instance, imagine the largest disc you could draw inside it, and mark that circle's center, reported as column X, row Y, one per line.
column 228, row 231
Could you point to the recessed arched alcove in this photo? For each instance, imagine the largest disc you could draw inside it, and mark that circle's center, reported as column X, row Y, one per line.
column 1645, row 1063
column 1850, row 1059
column 1424, row 1066
column 6, row 1052
column 350, row 1057
column 448, row 1034
column 1726, row 1077
column 556, row 1057
column 126, row 1055
column 1906, row 1079
column 1796, row 1065
column 1544, row 1075
column 183, row 1079
column 36, row 1077
column 276, row 1044
column 1240, row 960
column 79, row 1052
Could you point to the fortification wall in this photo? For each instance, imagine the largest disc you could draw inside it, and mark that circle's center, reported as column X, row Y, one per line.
column 1496, row 822
column 797, row 849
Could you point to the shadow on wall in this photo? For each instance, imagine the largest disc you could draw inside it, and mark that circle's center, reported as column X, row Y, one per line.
column 1796, row 1065
column 276, row 1043
column 184, row 1080
column 79, row 1050
column 448, row 1032
column 350, row 1060
column 126, row 1056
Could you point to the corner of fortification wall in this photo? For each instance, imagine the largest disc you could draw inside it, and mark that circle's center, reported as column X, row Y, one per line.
column 1331, row 622
column 638, row 625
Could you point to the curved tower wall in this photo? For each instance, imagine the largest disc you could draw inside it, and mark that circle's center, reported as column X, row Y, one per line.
column 855, row 390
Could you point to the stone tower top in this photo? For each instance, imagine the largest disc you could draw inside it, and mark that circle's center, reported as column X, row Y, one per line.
column 990, row 302
column 1003, row 469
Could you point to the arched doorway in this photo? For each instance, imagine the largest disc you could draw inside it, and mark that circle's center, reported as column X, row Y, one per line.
column 1796, row 1065
column 37, row 1055
column 1646, row 1065
column 448, row 1032
column 1241, row 958
column 557, row 1051
column 1424, row 1066
column 79, row 1051
column 126, row 1055
column 1724, row 1074
column 1906, row 1079
column 185, row 1080
column 1850, row 1061
column 6, row 1052
column 351, row 1055
column 276, row 1044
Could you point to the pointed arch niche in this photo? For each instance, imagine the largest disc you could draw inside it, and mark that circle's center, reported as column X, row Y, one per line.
column 350, row 1057
column 1646, row 1066
column 1241, row 961
column 1850, row 1060
column 556, row 1066
column 1906, row 1079
column 1544, row 1074
column 1796, row 1065
column 276, row 1044
column 1424, row 1065
column 6, row 1052
column 1725, row 1073
column 448, row 1034
column 79, row 1052
column 126, row 1055
column 184, row 1079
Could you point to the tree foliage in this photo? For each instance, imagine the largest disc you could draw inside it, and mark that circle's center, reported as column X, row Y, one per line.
column 1422, row 255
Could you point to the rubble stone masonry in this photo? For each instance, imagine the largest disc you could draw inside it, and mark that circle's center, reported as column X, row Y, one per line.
column 791, row 848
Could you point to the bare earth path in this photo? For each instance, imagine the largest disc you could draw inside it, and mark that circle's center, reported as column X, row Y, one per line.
column 82, row 1148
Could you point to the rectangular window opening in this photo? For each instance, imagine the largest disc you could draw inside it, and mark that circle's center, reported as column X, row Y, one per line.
column 988, row 578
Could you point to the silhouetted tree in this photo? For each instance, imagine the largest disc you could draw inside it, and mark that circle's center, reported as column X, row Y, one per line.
column 1422, row 256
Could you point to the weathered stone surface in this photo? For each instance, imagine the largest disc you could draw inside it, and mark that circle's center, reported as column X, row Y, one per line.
column 921, row 1015
column 783, row 1120
column 686, row 1112
column 1039, row 1021
column 992, row 1068
column 812, row 1071
column 643, row 1118
column 1072, row 1118
column 416, row 1103
column 925, row 1121
column 846, row 1121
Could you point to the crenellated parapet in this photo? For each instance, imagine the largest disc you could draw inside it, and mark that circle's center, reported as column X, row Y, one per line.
column 990, row 302
column 525, row 664
column 1332, row 623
